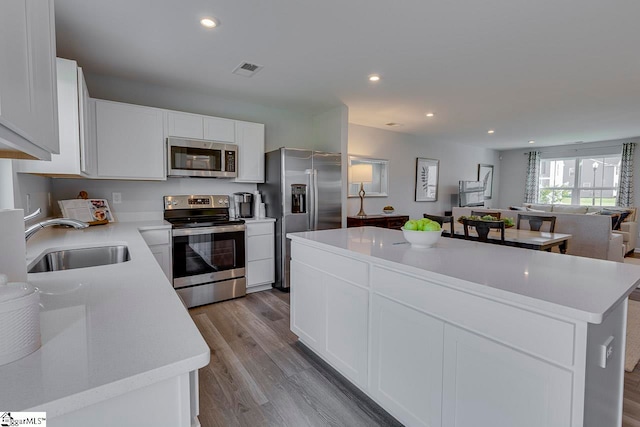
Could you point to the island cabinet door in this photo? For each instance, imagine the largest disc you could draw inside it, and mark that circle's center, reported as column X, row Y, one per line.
column 308, row 316
column 406, row 362
column 488, row 384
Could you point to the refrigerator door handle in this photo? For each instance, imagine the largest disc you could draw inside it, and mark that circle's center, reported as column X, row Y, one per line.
column 315, row 199
column 310, row 199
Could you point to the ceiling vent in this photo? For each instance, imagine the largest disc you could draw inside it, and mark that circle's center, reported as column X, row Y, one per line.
column 247, row 69
column 393, row 124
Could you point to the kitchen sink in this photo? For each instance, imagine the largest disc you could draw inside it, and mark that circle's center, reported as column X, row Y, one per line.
column 68, row 259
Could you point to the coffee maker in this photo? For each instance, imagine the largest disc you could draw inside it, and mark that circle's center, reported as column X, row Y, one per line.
column 243, row 203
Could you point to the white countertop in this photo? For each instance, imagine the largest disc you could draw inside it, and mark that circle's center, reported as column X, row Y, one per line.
column 576, row 287
column 106, row 330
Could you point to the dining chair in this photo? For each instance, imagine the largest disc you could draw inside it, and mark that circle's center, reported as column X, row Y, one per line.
column 483, row 213
column 441, row 220
column 482, row 228
column 535, row 222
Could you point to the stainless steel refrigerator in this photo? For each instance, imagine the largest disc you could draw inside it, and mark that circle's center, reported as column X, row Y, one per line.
column 302, row 191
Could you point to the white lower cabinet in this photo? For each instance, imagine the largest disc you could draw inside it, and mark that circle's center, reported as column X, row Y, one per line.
column 406, row 361
column 159, row 241
column 260, row 271
column 432, row 355
column 488, row 384
column 130, row 140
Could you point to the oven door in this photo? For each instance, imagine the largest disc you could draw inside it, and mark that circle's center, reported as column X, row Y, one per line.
column 208, row 254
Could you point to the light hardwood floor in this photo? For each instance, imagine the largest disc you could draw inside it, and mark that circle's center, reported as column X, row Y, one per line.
column 260, row 376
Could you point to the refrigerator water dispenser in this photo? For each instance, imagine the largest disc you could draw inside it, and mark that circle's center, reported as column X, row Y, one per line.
column 298, row 198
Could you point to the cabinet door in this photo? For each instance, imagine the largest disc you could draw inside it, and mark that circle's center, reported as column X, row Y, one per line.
column 28, row 98
column 250, row 140
column 130, row 141
column 185, row 125
column 88, row 154
column 406, row 362
column 486, row 383
column 308, row 315
column 218, row 129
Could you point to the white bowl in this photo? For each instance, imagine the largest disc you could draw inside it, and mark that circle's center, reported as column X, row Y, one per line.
column 421, row 239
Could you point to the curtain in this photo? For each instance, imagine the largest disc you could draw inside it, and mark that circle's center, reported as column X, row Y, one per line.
column 533, row 174
column 625, row 190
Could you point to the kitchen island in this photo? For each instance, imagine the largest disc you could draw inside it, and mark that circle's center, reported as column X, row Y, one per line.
column 118, row 346
column 465, row 333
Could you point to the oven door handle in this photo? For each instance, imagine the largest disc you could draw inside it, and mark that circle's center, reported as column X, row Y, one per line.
column 196, row 231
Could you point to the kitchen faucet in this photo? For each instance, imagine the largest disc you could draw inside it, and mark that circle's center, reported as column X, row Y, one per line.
column 50, row 222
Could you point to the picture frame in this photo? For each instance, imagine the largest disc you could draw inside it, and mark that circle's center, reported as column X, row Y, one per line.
column 427, row 171
column 485, row 175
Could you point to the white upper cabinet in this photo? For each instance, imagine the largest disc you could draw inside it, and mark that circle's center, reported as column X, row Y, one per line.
column 130, row 141
column 218, row 129
column 250, row 140
column 28, row 104
column 75, row 123
column 185, row 125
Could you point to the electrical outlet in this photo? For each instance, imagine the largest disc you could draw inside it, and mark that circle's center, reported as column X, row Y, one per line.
column 606, row 351
column 117, row 198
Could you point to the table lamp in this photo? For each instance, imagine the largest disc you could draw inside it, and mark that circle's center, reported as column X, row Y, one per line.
column 361, row 173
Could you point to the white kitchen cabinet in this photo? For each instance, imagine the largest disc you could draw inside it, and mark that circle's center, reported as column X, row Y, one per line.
column 159, row 241
column 77, row 155
column 331, row 314
column 406, row 360
column 260, row 244
column 250, row 140
column 28, row 100
column 219, row 129
column 185, row 125
column 518, row 389
column 130, row 141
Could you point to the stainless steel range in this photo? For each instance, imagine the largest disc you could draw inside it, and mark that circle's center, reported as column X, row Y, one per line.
column 208, row 249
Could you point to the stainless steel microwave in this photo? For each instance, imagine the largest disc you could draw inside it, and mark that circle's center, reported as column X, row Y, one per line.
column 200, row 158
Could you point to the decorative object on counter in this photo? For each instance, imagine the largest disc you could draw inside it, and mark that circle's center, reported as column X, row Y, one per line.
column 91, row 211
column 485, row 175
column 388, row 209
column 257, row 201
column 427, row 179
column 361, row 173
column 422, row 233
column 19, row 320
column 82, row 195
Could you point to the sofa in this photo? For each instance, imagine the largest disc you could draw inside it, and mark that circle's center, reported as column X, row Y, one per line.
column 628, row 227
column 591, row 235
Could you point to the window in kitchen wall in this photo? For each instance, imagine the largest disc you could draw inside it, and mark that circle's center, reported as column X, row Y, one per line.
column 589, row 181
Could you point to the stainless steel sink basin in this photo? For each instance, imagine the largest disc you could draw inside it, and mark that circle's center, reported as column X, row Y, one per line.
column 80, row 258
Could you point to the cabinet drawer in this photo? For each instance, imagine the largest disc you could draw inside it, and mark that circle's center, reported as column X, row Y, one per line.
column 260, row 272
column 260, row 228
column 156, row 237
column 260, row 247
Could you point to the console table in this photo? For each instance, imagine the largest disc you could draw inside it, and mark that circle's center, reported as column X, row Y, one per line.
column 383, row 221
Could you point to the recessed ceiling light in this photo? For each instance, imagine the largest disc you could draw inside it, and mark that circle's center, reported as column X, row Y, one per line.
column 430, row 114
column 209, row 22
column 374, row 78
column 490, row 131
column 531, row 141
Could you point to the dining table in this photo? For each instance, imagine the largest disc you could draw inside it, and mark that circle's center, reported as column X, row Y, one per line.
column 528, row 239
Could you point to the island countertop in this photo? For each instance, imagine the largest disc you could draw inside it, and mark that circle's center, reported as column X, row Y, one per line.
column 576, row 287
column 106, row 330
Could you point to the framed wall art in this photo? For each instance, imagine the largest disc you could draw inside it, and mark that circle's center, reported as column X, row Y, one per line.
column 485, row 175
column 427, row 179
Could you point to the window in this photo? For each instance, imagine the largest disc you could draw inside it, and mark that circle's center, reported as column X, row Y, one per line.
column 591, row 181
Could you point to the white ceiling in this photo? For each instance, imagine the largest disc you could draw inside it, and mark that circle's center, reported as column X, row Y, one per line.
column 554, row 71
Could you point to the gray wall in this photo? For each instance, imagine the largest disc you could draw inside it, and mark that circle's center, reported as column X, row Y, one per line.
column 457, row 162
column 513, row 166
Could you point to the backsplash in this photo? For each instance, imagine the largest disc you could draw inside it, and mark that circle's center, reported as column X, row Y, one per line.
column 142, row 200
